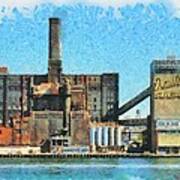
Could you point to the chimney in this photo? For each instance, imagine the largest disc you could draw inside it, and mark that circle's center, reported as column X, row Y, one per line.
column 54, row 62
column 5, row 106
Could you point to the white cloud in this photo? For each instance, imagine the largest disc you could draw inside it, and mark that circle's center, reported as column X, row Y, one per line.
column 24, row 6
column 117, row 3
column 175, row 3
column 104, row 3
column 176, row 7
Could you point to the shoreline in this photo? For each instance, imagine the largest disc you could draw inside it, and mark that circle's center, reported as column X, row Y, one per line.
column 90, row 155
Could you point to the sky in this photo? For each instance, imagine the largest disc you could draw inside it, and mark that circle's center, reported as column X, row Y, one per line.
column 97, row 36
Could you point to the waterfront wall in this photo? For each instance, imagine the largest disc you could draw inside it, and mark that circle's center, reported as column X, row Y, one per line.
column 18, row 150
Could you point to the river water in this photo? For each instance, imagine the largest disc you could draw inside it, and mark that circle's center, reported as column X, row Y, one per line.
column 120, row 169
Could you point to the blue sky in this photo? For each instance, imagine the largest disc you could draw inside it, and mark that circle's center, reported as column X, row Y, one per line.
column 97, row 36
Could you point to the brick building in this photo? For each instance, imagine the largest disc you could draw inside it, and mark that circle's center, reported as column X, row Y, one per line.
column 54, row 106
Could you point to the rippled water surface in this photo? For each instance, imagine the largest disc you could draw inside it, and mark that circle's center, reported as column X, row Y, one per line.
column 121, row 169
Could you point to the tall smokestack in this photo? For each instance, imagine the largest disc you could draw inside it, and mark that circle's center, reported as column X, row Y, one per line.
column 54, row 62
column 5, row 106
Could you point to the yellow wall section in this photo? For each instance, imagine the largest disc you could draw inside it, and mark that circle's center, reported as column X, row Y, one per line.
column 168, row 139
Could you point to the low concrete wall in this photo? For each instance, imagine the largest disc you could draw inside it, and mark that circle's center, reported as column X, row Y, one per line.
column 19, row 150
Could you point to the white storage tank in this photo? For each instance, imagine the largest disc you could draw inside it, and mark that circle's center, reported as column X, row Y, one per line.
column 105, row 131
column 119, row 136
column 92, row 136
column 112, row 140
column 99, row 136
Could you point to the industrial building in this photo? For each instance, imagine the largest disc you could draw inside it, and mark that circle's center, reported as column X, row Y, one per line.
column 80, row 111
column 54, row 108
column 165, row 106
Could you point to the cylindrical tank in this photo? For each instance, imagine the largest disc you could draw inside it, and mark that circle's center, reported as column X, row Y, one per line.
column 99, row 136
column 92, row 136
column 119, row 136
column 112, row 140
column 105, row 131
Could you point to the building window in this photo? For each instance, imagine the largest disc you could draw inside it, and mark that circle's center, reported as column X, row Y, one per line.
column 18, row 121
column 95, row 99
column 109, row 106
column 94, row 107
column 53, row 142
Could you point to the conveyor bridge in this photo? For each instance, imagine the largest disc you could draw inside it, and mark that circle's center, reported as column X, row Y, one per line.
column 133, row 102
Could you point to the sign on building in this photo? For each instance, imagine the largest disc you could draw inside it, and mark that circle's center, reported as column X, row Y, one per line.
column 166, row 96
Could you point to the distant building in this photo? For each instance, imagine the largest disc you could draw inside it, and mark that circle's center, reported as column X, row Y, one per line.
column 54, row 106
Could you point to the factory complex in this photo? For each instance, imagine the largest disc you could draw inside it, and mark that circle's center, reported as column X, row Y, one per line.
column 59, row 113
